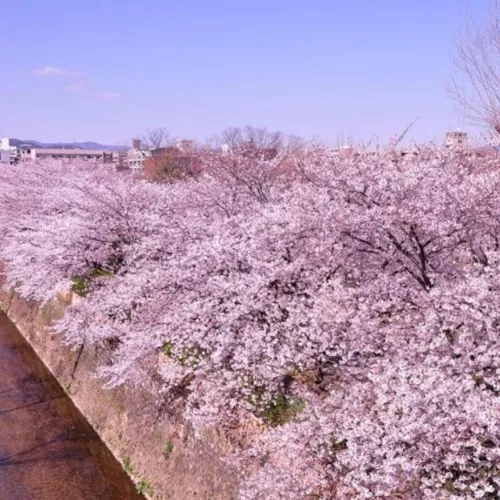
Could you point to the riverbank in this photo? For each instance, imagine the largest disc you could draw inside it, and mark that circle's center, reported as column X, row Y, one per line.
column 47, row 449
column 129, row 421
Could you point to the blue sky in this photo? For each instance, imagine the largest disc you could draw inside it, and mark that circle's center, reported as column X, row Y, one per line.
column 106, row 70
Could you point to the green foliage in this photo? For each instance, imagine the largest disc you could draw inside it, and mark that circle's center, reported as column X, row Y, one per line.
column 277, row 410
column 99, row 272
column 282, row 409
column 127, row 466
column 168, row 349
column 144, row 486
column 449, row 486
column 169, row 448
column 191, row 357
column 80, row 286
column 187, row 357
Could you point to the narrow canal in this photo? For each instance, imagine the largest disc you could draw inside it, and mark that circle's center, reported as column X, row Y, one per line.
column 47, row 449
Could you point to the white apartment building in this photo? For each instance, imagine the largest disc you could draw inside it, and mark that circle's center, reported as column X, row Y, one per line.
column 5, row 157
column 136, row 157
column 8, row 153
column 30, row 154
column 457, row 139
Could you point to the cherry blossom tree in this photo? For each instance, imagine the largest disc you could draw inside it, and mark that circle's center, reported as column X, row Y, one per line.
column 345, row 308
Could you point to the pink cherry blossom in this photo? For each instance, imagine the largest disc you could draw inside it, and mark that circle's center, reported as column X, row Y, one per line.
column 345, row 306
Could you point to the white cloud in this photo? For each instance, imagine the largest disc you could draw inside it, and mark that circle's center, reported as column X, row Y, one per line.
column 52, row 71
column 75, row 87
column 107, row 95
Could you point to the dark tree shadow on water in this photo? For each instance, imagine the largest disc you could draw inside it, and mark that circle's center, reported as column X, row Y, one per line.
column 49, row 455
column 28, row 405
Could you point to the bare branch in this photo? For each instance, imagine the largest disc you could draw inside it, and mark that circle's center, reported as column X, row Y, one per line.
column 475, row 85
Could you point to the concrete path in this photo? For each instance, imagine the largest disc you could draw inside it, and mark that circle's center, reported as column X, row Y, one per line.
column 47, row 450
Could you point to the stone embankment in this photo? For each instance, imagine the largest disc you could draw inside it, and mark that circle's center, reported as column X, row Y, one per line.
column 162, row 457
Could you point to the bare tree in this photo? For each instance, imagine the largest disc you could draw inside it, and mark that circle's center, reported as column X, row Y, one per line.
column 258, row 139
column 155, row 138
column 475, row 86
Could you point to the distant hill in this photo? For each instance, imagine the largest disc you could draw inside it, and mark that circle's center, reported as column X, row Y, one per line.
column 66, row 145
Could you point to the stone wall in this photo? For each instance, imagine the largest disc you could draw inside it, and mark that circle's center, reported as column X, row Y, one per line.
column 128, row 419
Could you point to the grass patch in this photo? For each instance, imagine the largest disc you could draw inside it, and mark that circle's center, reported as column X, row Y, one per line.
column 168, row 349
column 169, row 448
column 80, row 286
column 144, row 486
column 127, row 466
column 282, row 410
column 186, row 357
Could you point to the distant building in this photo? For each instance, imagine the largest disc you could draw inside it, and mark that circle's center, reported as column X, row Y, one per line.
column 457, row 139
column 185, row 145
column 9, row 154
column 107, row 157
column 165, row 151
column 120, row 159
column 135, row 158
column 5, row 157
column 30, row 154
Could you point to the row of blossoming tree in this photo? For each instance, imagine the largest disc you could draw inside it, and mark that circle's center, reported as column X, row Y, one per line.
column 347, row 307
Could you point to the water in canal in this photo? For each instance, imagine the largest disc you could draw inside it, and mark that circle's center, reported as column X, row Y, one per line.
column 47, row 449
